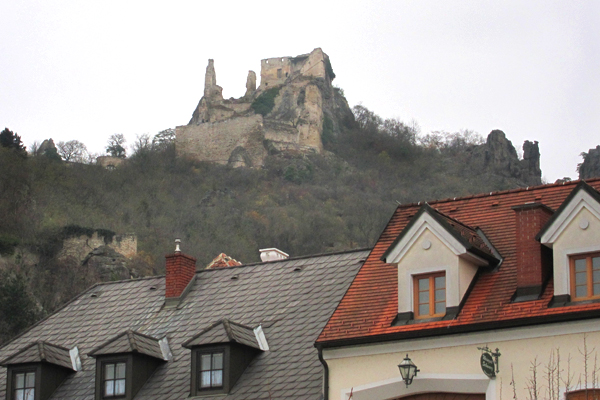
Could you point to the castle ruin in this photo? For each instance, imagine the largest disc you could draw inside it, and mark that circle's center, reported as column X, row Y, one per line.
column 300, row 100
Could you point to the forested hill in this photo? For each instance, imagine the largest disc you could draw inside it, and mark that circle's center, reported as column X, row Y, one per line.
column 301, row 204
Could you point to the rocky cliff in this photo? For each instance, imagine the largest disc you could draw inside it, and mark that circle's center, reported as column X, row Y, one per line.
column 294, row 108
column 590, row 167
column 498, row 156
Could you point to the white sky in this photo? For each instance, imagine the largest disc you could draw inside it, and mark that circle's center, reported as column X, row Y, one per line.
column 87, row 69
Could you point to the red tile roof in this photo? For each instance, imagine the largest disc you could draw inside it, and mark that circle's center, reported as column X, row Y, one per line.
column 371, row 303
column 222, row 261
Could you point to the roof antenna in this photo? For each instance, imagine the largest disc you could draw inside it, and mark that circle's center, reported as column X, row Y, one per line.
column 177, row 249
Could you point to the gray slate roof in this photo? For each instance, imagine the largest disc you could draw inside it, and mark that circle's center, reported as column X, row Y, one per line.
column 130, row 342
column 41, row 351
column 292, row 299
column 225, row 331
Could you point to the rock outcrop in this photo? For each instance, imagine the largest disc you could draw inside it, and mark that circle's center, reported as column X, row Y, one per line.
column 108, row 264
column 287, row 112
column 498, row 156
column 590, row 167
column 47, row 146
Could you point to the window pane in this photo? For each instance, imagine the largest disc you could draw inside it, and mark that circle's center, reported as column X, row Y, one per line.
column 580, row 265
column 581, row 291
column 217, row 361
column 205, row 379
column 423, row 297
column 424, row 284
column 596, row 262
column 217, row 378
column 440, row 307
column 20, row 394
column 109, row 371
column 29, row 394
column 30, row 380
column 120, row 374
column 596, row 289
column 109, row 388
column 424, row 309
column 580, row 278
column 119, row 387
column 440, row 282
column 20, row 381
column 205, row 362
column 440, row 294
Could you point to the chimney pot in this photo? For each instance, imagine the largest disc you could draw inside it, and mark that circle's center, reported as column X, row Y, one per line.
column 272, row 254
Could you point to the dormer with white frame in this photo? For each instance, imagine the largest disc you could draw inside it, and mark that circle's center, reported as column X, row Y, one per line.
column 573, row 234
column 438, row 258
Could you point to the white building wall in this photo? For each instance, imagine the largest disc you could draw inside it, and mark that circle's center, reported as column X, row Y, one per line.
column 451, row 363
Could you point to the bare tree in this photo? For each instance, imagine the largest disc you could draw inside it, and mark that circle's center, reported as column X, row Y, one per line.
column 142, row 144
column 163, row 139
column 115, row 145
column 73, row 151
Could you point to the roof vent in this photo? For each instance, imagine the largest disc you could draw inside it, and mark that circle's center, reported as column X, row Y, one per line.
column 272, row 254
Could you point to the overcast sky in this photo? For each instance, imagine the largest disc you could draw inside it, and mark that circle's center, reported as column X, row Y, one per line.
column 87, row 69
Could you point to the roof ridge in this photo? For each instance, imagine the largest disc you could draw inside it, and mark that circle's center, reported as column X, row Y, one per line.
column 289, row 259
column 454, row 219
column 497, row 193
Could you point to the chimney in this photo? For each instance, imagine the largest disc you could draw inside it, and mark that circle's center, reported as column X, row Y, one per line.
column 272, row 254
column 534, row 261
column 181, row 269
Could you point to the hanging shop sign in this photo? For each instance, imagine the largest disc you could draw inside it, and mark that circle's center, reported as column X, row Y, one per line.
column 489, row 361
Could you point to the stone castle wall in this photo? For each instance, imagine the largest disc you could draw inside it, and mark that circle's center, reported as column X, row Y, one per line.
column 228, row 131
column 79, row 247
column 216, row 142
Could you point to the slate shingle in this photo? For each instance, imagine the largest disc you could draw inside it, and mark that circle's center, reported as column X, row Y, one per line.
column 271, row 294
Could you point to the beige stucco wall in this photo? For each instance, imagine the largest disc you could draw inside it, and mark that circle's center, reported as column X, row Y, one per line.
column 574, row 240
column 365, row 369
column 438, row 257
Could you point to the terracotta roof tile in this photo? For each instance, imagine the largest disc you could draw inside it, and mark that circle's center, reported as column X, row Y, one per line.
column 370, row 305
column 223, row 261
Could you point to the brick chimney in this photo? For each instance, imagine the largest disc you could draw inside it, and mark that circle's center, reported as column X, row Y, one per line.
column 181, row 269
column 534, row 261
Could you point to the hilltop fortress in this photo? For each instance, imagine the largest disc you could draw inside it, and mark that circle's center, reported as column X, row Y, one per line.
column 293, row 109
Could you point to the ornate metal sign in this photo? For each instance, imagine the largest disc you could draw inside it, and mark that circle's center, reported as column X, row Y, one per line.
column 487, row 365
column 489, row 361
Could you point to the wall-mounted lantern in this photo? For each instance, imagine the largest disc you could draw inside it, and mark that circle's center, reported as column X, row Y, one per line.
column 408, row 370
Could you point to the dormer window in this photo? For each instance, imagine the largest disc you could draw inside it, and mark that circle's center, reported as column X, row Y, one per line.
column 438, row 258
column 24, row 385
column 210, row 369
column 114, row 378
column 430, row 295
column 125, row 362
column 38, row 369
column 572, row 233
column 585, row 277
column 220, row 354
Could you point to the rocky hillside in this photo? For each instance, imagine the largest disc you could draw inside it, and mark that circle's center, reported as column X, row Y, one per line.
column 302, row 203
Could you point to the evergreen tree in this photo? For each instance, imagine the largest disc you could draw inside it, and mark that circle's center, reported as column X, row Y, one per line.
column 17, row 308
column 11, row 140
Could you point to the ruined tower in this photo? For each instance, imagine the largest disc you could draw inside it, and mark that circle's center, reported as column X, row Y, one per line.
column 285, row 113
